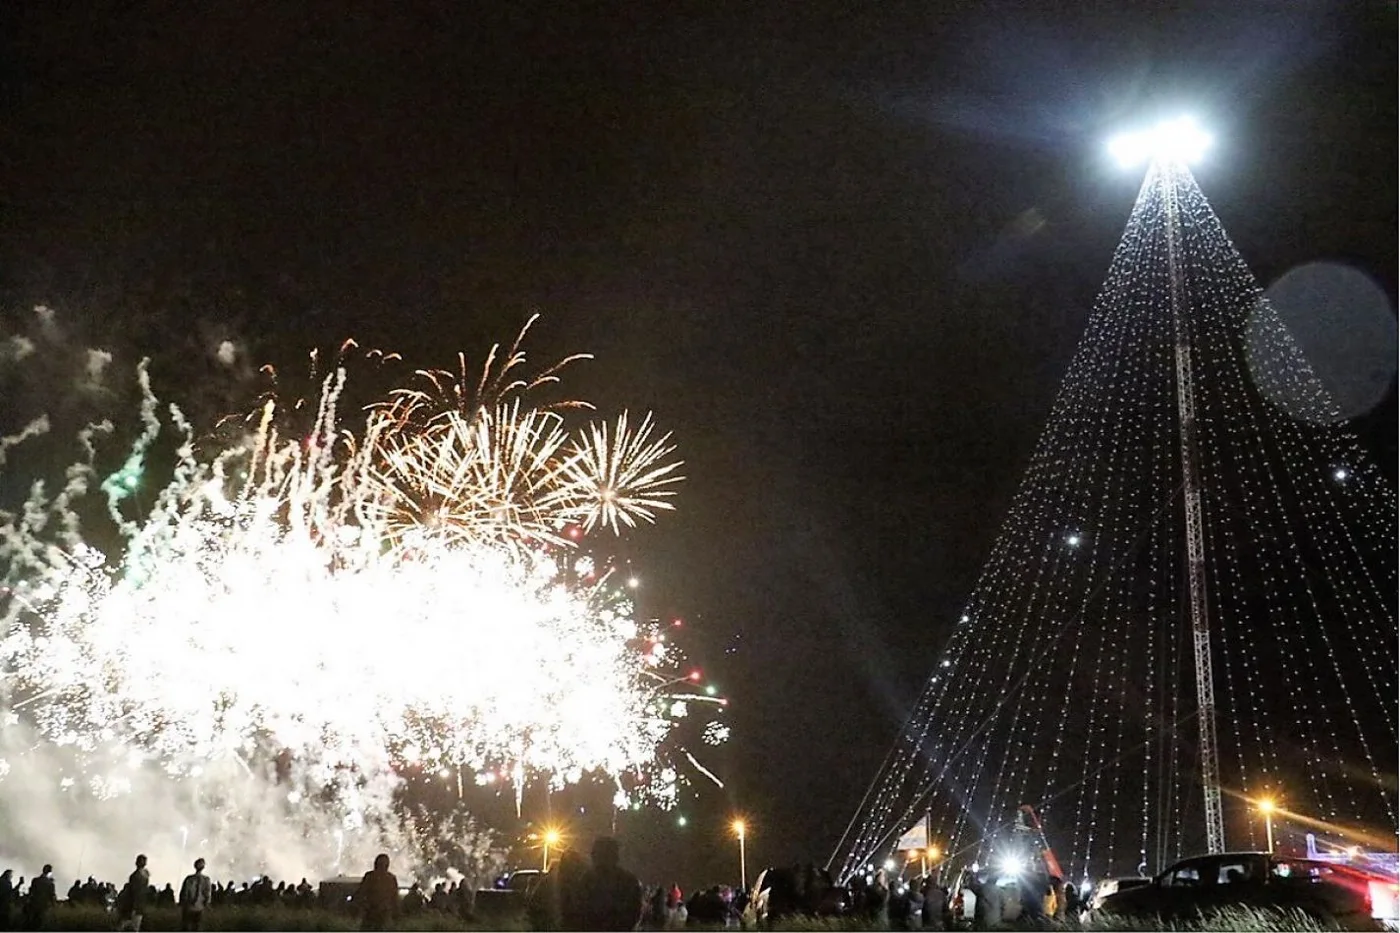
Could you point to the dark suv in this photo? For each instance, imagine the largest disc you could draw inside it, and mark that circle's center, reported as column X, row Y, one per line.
column 1210, row 883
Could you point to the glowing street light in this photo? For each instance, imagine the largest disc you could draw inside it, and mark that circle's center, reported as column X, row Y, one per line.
column 1180, row 140
column 739, row 828
column 925, row 857
column 1266, row 807
column 550, row 837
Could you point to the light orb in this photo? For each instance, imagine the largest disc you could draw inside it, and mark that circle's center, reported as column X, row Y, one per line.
column 1010, row 865
column 1180, row 141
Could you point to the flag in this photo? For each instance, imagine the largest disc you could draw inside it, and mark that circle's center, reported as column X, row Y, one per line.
column 915, row 838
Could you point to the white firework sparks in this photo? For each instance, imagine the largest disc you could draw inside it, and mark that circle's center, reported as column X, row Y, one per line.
column 295, row 601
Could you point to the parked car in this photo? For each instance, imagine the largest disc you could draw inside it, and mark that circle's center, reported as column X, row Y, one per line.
column 1207, row 884
column 1110, row 886
column 338, row 893
column 509, row 895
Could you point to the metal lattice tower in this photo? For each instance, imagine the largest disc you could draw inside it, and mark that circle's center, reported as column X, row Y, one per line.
column 1167, row 177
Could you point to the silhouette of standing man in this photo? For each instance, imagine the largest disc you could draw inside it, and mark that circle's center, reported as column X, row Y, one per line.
column 42, row 896
column 378, row 895
column 195, row 893
column 612, row 894
column 131, row 903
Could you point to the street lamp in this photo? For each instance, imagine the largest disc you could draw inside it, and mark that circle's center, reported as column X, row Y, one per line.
column 551, row 837
column 738, row 827
column 1266, row 807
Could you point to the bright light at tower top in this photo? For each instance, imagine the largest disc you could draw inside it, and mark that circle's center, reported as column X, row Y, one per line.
column 1180, row 140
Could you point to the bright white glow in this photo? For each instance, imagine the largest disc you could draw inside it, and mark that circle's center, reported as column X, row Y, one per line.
column 1010, row 865
column 1072, row 540
column 889, row 864
column 1340, row 475
column 1180, row 140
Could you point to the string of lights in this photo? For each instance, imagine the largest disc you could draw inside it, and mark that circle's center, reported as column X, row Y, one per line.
column 1072, row 657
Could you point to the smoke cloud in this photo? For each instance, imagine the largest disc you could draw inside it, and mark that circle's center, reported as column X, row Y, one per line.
column 238, row 818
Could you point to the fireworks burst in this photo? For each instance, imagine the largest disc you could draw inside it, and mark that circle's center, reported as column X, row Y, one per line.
column 513, row 474
column 339, row 602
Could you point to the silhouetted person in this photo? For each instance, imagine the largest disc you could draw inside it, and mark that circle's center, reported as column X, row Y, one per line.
column 464, row 901
column 1055, row 898
column 7, row 897
column 935, row 905
column 783, row 898
column 877, row 900
column 709, row 909
column 897, row 910
column 612, row 894
column 1031, row 888
column 378, row 895
column 986, row 910
column 914, row 905
column 42, row 895
column 135, row 897
column 558, row 903
column 196, row 894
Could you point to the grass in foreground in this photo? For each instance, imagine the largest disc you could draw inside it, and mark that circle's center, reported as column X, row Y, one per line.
column 255, row 919
column 1241, row 920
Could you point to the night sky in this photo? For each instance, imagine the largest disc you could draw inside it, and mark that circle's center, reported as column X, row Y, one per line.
column 844, row 251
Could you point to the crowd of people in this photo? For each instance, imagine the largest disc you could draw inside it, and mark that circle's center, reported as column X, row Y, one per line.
column 29, row 909
column 578, row 894
column 32, row 906
column 447, row 897
column 783, row 893
column 983, row 901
